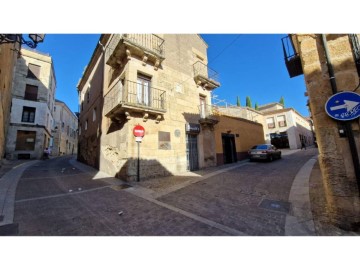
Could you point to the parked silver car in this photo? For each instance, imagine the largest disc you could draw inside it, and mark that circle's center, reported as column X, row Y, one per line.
column 264, row 152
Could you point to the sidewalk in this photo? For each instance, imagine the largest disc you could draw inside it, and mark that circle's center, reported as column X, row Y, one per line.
column 10, row 173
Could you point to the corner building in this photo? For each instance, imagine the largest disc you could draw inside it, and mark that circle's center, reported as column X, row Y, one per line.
column 161, row 82
column 331, row 63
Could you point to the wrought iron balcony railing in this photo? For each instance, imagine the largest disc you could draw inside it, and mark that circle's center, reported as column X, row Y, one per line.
column 292, row 57
column 205, row 75
column 208, row 111
column 129, row 95
column 354, row 40
column 149, row 42
column 148, row 47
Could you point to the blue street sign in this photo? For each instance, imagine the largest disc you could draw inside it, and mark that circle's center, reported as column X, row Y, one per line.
column 343, row 106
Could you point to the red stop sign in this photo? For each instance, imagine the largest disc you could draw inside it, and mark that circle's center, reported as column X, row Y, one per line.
column 139, row 131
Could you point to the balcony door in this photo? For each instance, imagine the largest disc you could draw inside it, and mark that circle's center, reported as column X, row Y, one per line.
column 143, row 90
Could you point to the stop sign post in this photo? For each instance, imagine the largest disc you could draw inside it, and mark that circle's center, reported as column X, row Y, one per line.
column 139, row 132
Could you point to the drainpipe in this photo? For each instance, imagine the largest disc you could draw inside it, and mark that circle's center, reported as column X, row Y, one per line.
column 347, row 125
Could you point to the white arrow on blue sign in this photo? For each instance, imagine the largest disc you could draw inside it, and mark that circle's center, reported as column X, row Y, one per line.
column 343, row 106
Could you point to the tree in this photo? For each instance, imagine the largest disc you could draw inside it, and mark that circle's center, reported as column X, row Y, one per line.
column 248, row 102
column 238, row 101
column 256, row 106
column 282, row 102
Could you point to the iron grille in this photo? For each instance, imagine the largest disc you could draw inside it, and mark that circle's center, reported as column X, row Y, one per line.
column 134, row 94
column 200, row 69
column 356, row 50
column 292, row 58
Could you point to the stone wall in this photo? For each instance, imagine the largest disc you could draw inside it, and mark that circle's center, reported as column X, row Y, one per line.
column 8, row 57
column 335, row 159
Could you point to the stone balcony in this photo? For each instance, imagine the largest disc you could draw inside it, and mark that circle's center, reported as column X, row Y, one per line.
column 208, row 115
column 129, row 98
column 205, row 76
column 147, row 47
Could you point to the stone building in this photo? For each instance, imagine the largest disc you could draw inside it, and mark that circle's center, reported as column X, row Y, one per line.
column 8, row 55
column 65, row 130
column 31, row 118
column 331, row 63
column 161, row 82
column 283, row 127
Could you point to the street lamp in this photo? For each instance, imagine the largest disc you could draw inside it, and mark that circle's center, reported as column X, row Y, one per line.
column 13, row 38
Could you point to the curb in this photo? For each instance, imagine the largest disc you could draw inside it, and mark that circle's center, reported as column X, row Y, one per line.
column 300, row 222
column 8, row 184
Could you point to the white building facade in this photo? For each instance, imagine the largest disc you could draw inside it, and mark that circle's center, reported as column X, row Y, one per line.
column 65, row 137
column 283, row 127
column 33, row 98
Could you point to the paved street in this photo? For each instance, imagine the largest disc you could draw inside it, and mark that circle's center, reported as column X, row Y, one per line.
column 61, row 196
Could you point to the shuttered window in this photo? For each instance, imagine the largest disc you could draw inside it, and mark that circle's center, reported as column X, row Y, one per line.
column 33, row 71
column 25, row 140
column 31, row 92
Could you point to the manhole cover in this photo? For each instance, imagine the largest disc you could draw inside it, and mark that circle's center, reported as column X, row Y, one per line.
column 120, row 187
column 279, row 206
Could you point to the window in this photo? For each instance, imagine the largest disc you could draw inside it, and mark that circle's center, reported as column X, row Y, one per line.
column 143, row 90
column 31, row 92
column 25, row 140
column 88, row 96
column 33, row 71
column 281, row 121
column 202, row 106
column 86, row 124
column 94, row 114
column 28, row 114
column 270, row 122
column 82, row 105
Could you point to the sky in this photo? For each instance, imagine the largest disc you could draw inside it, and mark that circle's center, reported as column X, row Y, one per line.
column 247, row 65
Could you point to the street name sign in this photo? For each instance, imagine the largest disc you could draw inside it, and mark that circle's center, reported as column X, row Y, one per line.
column 343, row 106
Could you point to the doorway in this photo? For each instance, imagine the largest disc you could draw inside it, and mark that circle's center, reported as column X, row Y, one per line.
column 229, row 148
column 192, row 152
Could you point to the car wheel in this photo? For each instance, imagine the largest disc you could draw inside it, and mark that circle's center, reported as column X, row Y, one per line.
column 280, row 156
column 270, row 158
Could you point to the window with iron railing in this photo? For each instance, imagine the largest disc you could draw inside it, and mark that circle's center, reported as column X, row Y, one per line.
column 138, row 94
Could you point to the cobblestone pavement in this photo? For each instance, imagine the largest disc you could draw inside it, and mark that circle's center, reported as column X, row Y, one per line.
column 54, row 198
column 64, row 197
column 233, row 197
